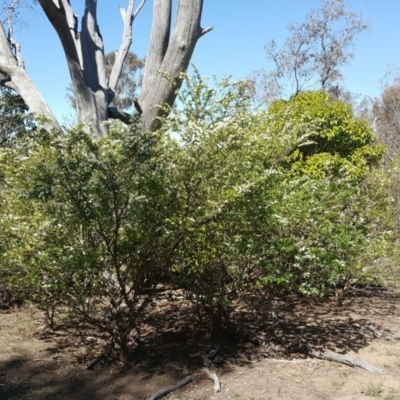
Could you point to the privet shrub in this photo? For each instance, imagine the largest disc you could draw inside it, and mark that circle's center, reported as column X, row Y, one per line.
column 222, row 200
column 271, row 200
column 92, row 223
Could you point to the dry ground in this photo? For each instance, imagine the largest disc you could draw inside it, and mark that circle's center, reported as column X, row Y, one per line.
column 367, row 326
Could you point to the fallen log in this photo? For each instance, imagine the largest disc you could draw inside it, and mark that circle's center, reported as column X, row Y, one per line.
column 207, row 359
column 168, row 389
column 319, row 353
column 340, row 358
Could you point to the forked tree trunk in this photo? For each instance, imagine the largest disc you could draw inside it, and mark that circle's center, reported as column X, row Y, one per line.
column 168, row 56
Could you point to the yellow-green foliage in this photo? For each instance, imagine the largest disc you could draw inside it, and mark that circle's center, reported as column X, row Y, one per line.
column 220, row 201
column 337, row 142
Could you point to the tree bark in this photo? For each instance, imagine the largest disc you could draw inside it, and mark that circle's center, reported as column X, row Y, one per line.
column 169, row 389
column 19, row 81
column 84, row 52
column 128, row 16
column 168, row 56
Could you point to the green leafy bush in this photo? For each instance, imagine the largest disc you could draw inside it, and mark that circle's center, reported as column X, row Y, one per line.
column 275, row 200
column 90, row 215
column 223, row 151
column 223, row 200
column 338, row 143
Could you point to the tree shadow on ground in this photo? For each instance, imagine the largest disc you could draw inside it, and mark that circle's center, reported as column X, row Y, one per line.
column 172, row 343
column 22, row 379
column 322, row 323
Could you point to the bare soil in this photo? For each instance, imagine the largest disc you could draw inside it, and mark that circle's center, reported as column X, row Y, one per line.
column 39, row 365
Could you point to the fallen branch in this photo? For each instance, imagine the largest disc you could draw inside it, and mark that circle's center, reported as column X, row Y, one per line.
column 207, row 360
column 168, row 389
column 341, row 358
column 324, row 355
column 213, row 377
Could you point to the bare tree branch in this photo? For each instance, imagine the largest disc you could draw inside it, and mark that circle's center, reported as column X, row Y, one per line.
column 85, row 59
column 15, row 46
column 18, row 80
column 128, row 17
column 206, row 30
column 114, row 113
column 7, row 59
column 64, row 21
column 137, row 11
column 92, row 42
column 94, row 67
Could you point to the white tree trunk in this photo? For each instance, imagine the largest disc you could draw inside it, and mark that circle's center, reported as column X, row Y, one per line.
column 12, row 65
column 85, row 58
column 168, row 53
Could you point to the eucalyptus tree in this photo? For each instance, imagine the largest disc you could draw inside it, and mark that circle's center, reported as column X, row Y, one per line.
column 126, row 92
column 313, row 54
column 386, row 112
column 170, row 49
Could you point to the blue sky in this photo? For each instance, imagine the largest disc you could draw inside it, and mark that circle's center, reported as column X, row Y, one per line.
column 235, row 46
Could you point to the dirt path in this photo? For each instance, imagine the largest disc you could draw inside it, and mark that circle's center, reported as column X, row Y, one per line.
column 54, row 367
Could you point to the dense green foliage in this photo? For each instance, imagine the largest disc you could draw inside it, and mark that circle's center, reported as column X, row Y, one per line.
column 223, row 200
column 337, row 144
column 93, row 222
column 15, row 120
